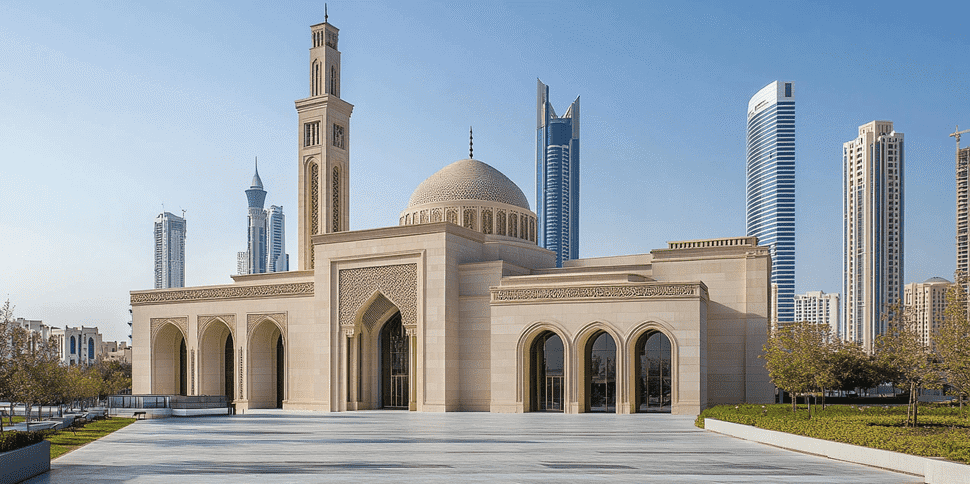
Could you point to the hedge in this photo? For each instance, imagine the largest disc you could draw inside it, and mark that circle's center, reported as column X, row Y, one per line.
column 16, row 439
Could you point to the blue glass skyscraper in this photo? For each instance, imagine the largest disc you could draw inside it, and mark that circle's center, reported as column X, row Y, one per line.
column 557, row 177
column 770, row 197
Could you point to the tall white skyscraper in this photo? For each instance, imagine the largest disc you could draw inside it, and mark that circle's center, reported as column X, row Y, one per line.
column 770, row 191
column 872, row 209
column 819, row 307
column 169, row 251
column 278, row 260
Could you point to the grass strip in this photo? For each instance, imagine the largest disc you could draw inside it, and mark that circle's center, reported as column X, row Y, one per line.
column 942, row 431
column 64, row 441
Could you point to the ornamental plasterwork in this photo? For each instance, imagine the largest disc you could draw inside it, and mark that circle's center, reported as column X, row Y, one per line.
column 252, row 320
column 158, row 323
column 378, row 308
column 398, row 283
column 468, row 180
column 228, row 292
column 626, row 291
column 228, row 319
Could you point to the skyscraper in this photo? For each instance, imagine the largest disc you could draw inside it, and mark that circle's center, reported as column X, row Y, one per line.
column 770, row 192
column 927, row 304
column 257, row 226
column 557, row 177
column 266, row 247
column 963, row 210
column 278, row 260
column 169, row 251
column 872, row 209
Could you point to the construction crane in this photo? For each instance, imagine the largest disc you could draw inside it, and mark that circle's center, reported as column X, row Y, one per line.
column 956, row 134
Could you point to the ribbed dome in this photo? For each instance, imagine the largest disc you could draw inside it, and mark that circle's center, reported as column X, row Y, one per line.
column 938, row 279
column 468, row 180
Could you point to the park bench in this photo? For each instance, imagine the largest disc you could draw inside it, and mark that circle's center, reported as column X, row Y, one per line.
column 139, row 415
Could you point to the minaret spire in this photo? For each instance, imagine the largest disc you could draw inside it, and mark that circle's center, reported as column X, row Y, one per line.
column 324, row 13
column 471, row 154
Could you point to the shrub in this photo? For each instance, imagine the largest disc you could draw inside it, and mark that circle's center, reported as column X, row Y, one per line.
column 16, row 439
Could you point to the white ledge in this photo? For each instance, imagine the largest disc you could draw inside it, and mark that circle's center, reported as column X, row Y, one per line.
column 932, row 470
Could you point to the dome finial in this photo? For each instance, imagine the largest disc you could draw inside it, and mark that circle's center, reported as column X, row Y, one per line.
column 324, row 12
column 471, row 155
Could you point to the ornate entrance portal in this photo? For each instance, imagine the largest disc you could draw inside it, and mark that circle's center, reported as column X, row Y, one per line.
column 395, row 357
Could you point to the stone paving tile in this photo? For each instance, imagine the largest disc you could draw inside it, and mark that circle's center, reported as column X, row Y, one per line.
column 393, row 446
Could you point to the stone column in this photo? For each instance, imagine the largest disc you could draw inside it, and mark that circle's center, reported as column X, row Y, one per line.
column 412, row 368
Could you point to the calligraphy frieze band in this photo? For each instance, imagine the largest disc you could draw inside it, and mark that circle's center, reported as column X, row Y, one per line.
column 625, row 291
column 228, row 292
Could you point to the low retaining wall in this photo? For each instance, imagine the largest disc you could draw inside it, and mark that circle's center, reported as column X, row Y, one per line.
column 933, row 470
column 22, row 464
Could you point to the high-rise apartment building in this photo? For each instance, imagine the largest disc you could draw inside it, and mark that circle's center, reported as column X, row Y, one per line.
column 963, row 211
column 926, row 303
column 819, row 307
column 770, row 190
column 557, row 177
column 169, row 251
column 872, row 209
column 278, row 260
column 266, row 247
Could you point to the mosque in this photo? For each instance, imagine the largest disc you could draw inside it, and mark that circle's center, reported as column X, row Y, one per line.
column 456, row 308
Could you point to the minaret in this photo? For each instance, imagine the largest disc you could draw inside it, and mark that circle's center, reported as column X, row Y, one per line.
column 256, row 196
column 324, row 146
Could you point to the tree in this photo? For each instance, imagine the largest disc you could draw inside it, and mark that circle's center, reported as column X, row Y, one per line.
column 909, row 363
column 796, row 357
column 851, row 367
column 951, row 340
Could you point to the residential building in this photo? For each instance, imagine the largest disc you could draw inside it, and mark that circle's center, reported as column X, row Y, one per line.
column 557, row 177
column 963, row 212
column 770, row 188
column 819, row 307
column 78, row 346
column 278, row 260
column 872, row 210
column 926, row 303
column 116, row 351
column 169, row 251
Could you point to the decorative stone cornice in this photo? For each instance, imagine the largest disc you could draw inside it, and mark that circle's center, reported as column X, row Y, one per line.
column 606, row 292
column 224, row 292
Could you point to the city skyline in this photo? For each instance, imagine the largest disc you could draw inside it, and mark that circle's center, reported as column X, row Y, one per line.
column 202, row 92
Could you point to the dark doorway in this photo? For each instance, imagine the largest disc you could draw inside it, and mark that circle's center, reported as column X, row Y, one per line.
column 228, row 369
column 547, row 366
column 183, row 364
column 279, row 372
column 653, row 373
column 601, row 373
column 395, row 359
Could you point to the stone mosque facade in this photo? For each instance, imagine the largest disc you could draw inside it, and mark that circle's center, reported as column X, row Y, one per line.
column 456, row 308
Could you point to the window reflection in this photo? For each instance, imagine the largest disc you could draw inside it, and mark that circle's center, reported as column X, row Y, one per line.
column 547, row 373
column 602, row 374
column 653, row 375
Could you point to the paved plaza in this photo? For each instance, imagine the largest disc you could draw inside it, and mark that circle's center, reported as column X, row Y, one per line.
column 284, row 446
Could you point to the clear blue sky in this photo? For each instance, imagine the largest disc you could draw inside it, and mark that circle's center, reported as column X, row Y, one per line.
column 108, row 111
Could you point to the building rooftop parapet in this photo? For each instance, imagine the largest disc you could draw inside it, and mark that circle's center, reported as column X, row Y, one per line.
column 582, row 278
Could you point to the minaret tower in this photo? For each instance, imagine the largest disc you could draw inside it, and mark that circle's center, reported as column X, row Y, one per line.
column 324, row 145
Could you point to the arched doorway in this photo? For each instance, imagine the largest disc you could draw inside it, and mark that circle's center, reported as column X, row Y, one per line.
column 267, row 368
column 653, row 368
column 183, row 363
column 601, row 373
column 168, row 361
column 395, row 359
column 227, row 372
column 547, row 364
column 216, row 355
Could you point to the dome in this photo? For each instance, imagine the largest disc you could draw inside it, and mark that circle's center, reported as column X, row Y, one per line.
column 468, row 180
column 938, row 279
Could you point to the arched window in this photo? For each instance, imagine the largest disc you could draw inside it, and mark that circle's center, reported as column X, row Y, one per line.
column 73, row 346
column 333, row 81
column 547, row 373
column 487, row 221
column 653, row 373
column 601, row 373
column 90, row 348
column 335, row 184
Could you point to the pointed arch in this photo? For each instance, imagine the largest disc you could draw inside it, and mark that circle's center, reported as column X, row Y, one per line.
column 635, row 379
column 531, row 380
column 267, row 360
column 217, row 356
column 599, row 350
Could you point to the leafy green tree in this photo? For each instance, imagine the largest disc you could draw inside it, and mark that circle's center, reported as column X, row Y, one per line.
column 796, row 357
column 952, row 340
column 909, row 363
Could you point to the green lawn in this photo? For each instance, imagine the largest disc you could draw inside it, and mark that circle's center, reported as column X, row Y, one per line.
column 64, row 441
column 942, row 431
